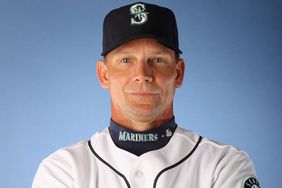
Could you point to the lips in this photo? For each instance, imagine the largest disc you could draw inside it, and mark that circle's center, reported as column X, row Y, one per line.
column 143, row 93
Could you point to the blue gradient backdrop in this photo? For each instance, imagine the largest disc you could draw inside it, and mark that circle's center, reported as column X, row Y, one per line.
column 50, row 96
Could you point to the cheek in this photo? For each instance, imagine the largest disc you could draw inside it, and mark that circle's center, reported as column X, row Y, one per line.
column 117, row 83
column 167, row 79
column 168, row 85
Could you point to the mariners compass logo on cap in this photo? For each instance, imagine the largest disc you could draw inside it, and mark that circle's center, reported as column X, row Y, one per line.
column 139, row 16
column 139, row 20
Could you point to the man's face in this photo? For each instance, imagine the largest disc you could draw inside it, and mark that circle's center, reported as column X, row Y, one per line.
column 141, row 76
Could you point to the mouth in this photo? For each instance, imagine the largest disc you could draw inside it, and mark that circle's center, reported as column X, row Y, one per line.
column 144, row 94
column 152, row 93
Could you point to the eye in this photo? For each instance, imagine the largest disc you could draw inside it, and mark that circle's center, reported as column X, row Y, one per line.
column 124, row 60
column 157, row 60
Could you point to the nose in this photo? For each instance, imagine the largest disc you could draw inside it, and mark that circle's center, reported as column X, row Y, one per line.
column 143, row 73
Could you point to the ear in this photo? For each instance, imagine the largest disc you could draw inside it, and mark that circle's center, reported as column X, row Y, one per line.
column 180, row 68
column 102, row 73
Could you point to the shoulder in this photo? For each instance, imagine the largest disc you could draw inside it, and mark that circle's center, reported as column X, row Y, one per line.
column 59, row 168
column 228, row 165
column 68, row 153
column 208, row 145
column 66, row 167
column 74, row 153
column 214, row 154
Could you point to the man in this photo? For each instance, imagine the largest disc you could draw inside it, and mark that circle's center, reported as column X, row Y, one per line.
column 143, row 146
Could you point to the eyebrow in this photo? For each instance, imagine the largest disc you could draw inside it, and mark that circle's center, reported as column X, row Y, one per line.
column 129, row 52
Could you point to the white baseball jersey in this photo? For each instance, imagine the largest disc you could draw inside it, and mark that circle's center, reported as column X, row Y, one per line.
column 187, row 161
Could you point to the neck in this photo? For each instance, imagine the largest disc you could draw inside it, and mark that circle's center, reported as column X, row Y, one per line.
column 141, row 122
column 141, row 126
column 137, row 142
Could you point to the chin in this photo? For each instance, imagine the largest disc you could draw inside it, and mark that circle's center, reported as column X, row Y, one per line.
column 144, row 114
column 142, row 119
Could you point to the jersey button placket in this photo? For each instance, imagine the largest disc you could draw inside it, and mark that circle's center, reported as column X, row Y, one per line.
column 139, row 173
column 139, row 178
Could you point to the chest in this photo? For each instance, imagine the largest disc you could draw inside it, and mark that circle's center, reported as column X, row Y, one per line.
column 147, row 174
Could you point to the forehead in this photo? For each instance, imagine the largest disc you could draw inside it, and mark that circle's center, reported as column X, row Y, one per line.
column 144, row 44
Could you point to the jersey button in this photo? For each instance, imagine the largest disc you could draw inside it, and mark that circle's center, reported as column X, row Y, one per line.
column 139, row 173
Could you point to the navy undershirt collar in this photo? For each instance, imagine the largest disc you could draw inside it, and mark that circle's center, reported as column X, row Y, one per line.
column 141, row 142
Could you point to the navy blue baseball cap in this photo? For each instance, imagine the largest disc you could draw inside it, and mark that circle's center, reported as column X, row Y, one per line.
column 139, row 20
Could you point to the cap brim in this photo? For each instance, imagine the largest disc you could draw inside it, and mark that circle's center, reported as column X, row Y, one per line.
column 138, row 36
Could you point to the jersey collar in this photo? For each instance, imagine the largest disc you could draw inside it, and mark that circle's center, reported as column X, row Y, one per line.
column 139, row 142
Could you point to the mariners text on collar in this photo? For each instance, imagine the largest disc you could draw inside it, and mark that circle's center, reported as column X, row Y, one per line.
column 137, row 137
